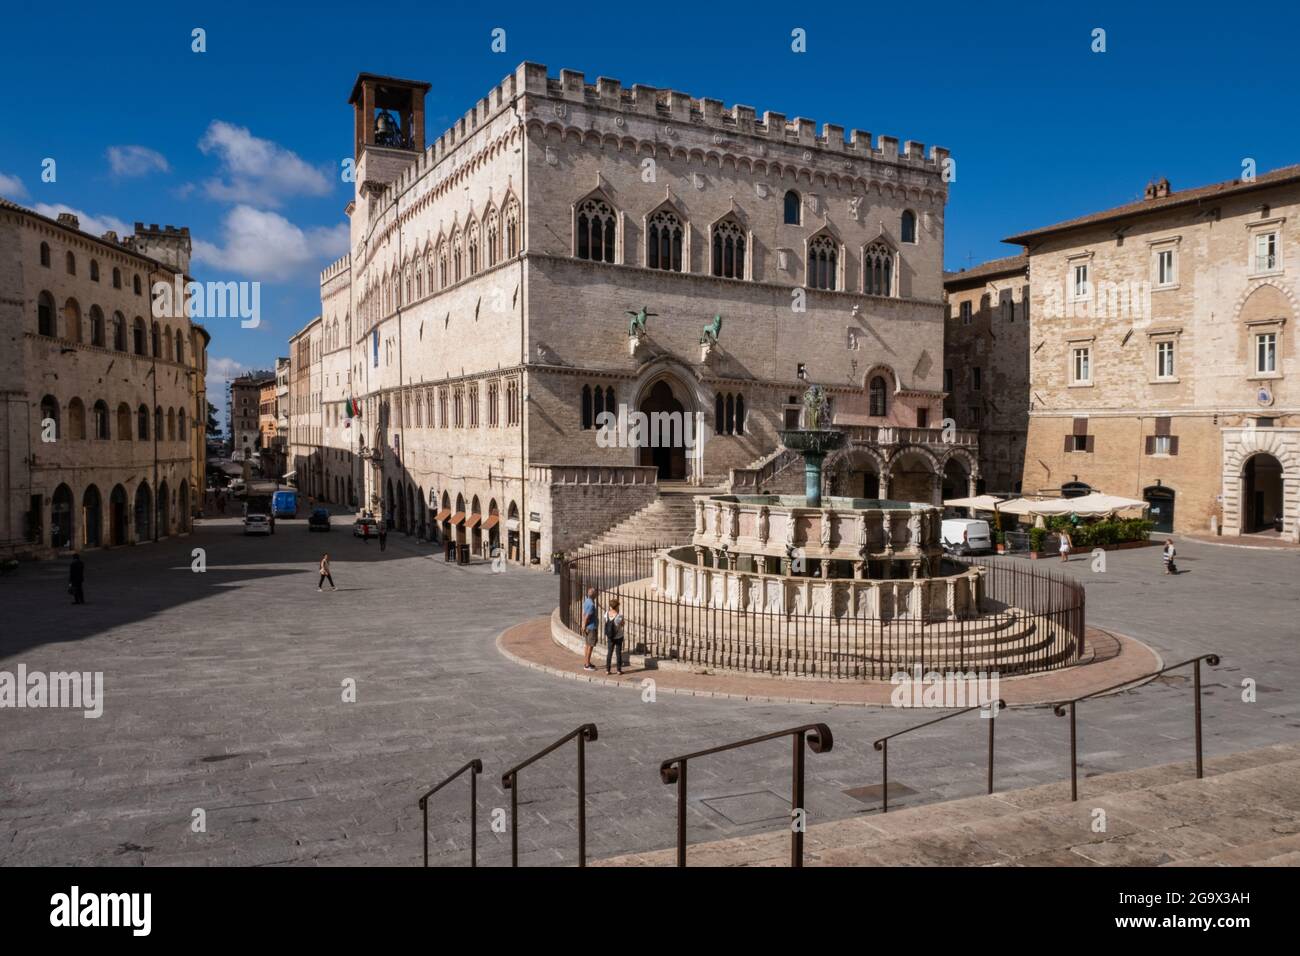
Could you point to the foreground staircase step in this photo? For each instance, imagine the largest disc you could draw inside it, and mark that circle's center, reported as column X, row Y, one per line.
column 1245, row 811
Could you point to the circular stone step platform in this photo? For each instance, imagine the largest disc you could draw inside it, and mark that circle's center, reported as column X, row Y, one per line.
column 545, row 644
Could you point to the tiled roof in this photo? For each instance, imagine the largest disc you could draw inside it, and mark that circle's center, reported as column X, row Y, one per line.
column 1199, row 195
column 1008, row 265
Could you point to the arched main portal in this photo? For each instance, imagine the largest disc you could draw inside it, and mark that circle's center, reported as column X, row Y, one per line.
column 664, row 446
column 1261, row 494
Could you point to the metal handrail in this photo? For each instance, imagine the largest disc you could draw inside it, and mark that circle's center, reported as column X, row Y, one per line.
column 1059, row 710
column 673, row 770
column 477, row 766
column 883, row 745
column 510, row 781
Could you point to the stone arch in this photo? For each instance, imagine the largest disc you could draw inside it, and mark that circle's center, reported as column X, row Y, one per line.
column 664, row 387
column 914, row 473
column 1251, row 443
column 857, row 471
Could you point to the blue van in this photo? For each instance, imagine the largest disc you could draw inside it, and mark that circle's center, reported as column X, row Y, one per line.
column 285, row 504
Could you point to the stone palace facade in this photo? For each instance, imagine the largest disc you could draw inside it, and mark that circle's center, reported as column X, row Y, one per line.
column 569, row 249
column 104, row 405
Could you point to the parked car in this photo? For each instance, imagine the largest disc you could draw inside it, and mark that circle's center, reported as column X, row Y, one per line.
column 257, row 524
column 365, row 527
column 966, row 536
column 236, row 487
column 319, row 520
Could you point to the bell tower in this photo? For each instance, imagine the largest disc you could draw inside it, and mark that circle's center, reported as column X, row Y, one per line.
column 389, row 113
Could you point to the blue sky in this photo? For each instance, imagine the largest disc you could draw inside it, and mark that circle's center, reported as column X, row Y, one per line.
column 243, row 142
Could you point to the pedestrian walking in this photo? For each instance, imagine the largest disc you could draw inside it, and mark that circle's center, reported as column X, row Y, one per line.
column 613, row 636
column 1167, row 555
column 76, row 580
column 383, row 536
column 590, row 616
column 1066, row 545
column 325, row 573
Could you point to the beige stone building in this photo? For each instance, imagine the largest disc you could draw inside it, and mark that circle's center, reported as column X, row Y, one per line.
column 488, row 312
column 986, row 369
column 1163, row 358
column 104, row 405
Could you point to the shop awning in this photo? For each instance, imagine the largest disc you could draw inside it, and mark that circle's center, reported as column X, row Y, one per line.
column 491, row 522
column 512, row 524
column 473, row 520
column 442, row 515
column 1086, row 506
column 979, row 502
column 458, row 517
column 288, row 474
column 535, row 526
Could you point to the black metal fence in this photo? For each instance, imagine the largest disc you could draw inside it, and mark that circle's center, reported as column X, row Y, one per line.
column 1031, row 620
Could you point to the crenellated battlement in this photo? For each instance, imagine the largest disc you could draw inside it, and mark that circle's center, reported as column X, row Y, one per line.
column 675, row 106
column 671, row 106
column 336, row 268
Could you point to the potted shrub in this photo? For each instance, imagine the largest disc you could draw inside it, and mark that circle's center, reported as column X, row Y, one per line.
column 1037, row 537
column 1000, row 541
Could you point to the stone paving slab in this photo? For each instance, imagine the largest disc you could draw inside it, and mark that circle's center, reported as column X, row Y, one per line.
column 223, row 692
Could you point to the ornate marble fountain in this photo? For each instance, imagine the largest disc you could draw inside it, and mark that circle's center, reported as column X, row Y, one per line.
column 854, row 557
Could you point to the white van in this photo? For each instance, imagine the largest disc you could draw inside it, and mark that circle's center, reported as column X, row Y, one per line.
column 966, row 535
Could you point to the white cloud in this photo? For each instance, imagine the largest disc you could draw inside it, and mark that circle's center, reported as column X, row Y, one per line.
column 95, row 225
column 220, row 371
column 11, row 186
column 264, row 245
column 257, row 170
column 128, row 161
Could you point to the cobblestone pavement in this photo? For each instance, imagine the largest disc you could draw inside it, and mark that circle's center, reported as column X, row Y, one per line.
column 224, row 694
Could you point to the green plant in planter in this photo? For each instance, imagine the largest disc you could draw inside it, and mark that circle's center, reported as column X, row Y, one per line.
column 1037, row 537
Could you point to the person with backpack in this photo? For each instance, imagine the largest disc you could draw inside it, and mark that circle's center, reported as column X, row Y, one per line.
column 613, row 636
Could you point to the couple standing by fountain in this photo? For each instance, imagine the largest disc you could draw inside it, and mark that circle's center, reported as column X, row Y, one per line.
column 612, row 626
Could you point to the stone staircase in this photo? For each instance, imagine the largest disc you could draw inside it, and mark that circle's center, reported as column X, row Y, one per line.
column 1245, row 812
column 669, row 518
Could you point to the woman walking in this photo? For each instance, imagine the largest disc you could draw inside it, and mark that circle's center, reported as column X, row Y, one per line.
column 613, row 636
column 1066, row 545
column 325, row 573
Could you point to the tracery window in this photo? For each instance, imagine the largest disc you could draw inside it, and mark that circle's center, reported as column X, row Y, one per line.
column 878, row 269
column 823, row 262
column 596, row 231
column 729, row 250
column 664, row 236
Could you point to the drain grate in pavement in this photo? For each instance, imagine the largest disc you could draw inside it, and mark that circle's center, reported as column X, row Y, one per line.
column 744, row 808
column 875, row 792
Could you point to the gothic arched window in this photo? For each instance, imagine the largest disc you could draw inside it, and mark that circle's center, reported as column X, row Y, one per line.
column 471, row 242
column 729, row 250
column 492, row 237
column 664, row 237
column 823, row 262
column 793, row 208
column 907, row 226
column 595, row 239
column 510, row 219
column 877, row 395
column 878, row 269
